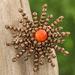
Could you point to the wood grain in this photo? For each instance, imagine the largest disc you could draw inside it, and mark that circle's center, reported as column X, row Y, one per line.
column 8, row 15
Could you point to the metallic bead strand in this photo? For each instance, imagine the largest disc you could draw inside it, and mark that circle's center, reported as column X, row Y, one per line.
column 18, row 55
column 47, row 19
column 58, row 20
column 43, row 15
column 35, row 19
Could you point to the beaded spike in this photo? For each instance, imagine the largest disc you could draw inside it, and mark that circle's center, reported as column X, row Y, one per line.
column 38, row 38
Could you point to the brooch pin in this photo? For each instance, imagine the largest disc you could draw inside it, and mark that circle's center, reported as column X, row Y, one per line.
column 37, row 38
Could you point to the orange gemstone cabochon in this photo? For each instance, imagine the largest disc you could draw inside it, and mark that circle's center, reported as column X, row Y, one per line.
column 41, row 35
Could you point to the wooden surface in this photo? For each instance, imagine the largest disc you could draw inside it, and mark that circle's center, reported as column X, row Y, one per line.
column 8, row 15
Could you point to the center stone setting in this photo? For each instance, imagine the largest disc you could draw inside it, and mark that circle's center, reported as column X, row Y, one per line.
column 41, row 35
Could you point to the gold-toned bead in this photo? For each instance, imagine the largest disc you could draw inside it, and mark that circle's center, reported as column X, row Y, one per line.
column 51, row 16
column 26, row 42
column 41, row 62
column 17, row 42
column 42, row 56
column 60, row 49
column 35, row 60
column 46, row 54
column 14, row 60
column 49, row 60
column 31, row 50
column 68, row 33
column 40, row 52
column 35, row 18
column 55, row 23
column 20, row 20
column 43, row 14
column 23, row 14
column 66, row 53
column 44, row 6
column 63, row 34
column 20, row 10
column 36, row 64
column 35, row 69
column 20, row 53
column 29, row 54
column 23, row 50
column 14, row 28
column 21, row 40
column 17, row 55
column 53, row 55
column 36, row 56
column 34, row 13
column 19, row 29
column 16, row 46
column 30, row 23
column 52, row 25
column 52, row 64
column 22, row 45
column 60, row 18
column 35, row 22
column 25, row 17
column 11, row 27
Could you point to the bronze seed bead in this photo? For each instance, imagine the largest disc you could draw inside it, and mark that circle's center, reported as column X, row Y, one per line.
column 20, row 10
column 35, row 69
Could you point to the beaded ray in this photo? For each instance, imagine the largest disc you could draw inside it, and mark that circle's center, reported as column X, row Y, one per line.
column 28, row 39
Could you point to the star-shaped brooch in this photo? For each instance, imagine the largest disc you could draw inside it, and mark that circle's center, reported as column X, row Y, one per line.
column 37, row 38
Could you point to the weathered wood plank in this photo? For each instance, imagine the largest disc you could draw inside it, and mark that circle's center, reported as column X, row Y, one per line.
column 8, row 15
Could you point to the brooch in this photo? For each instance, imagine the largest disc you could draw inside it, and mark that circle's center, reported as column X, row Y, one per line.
column 37, row 39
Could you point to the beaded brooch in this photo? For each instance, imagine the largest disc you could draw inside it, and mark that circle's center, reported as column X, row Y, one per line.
column 37, row 38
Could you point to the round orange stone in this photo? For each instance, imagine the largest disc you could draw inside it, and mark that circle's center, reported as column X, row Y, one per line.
column 41, row 35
